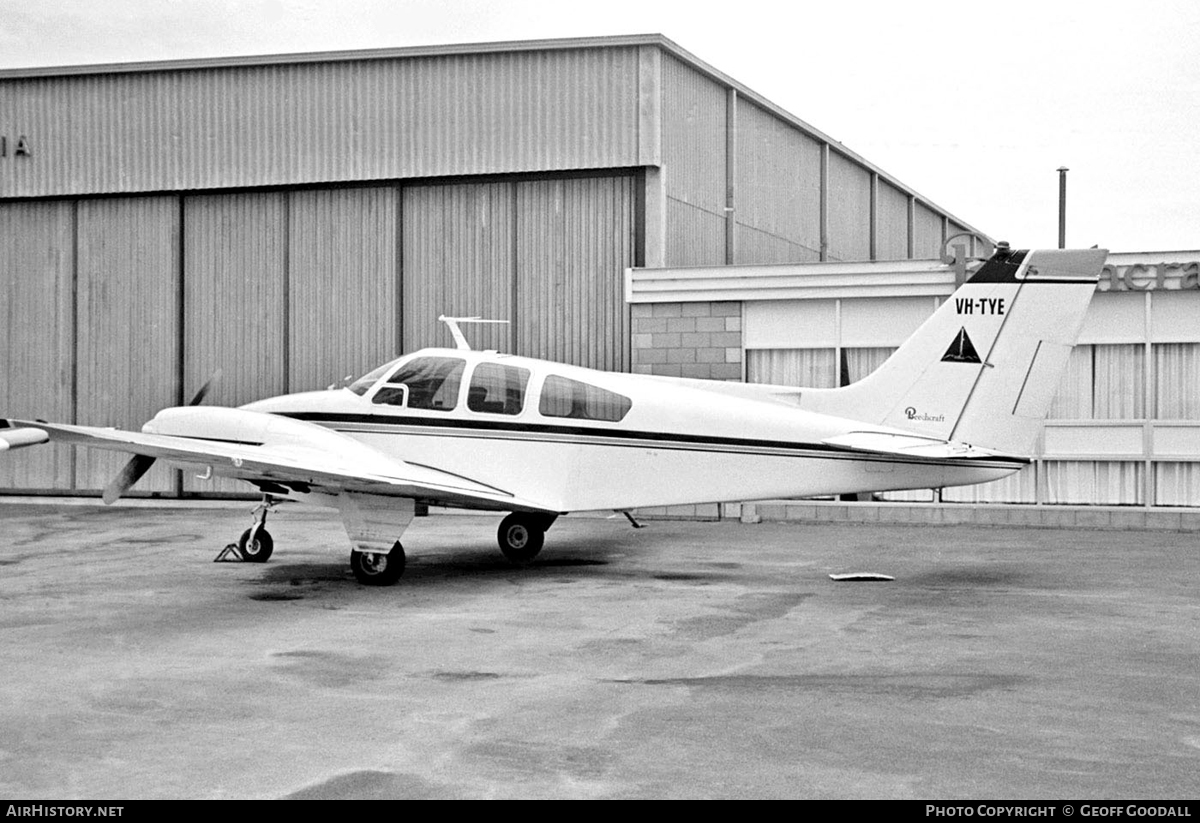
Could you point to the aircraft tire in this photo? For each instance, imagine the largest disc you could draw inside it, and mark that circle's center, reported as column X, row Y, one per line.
column 521, row 538
column 377, row 568
column 256, row 551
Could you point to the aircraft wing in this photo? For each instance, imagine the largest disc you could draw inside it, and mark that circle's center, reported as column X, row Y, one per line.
column 911, row 445
column 312, row 459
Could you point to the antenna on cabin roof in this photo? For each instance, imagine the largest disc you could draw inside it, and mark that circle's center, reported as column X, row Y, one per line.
column 460, row 342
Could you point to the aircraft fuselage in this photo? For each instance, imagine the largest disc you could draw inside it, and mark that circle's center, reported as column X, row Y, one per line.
column 644, row 441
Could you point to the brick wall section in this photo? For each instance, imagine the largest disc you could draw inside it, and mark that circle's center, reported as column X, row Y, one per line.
column 701, row 339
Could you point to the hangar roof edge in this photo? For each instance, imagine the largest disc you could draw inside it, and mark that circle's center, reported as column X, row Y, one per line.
column 352, row 55
column 439, row 50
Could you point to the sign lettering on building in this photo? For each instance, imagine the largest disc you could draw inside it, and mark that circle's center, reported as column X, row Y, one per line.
column 14, row 147
column 1150, row 277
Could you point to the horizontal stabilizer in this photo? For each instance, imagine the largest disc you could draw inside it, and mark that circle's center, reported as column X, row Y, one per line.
column 912, row 446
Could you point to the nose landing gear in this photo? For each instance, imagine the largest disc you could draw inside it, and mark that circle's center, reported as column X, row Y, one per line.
column 256, row 544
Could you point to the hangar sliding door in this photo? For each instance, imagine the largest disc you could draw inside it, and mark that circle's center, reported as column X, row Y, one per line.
column 128, row 325
column 547, row 255
column 234, row 253
column 37, row 368
column 342, row 284
column 574, row 242
column 458, row 261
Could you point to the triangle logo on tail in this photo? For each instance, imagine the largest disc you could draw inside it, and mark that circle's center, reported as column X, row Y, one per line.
column 962, row 350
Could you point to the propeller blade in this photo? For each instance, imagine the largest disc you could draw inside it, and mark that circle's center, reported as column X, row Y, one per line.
column 199, row 398
column 138, row 465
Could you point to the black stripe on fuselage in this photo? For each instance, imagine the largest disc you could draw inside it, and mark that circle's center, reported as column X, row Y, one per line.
column 504, row 429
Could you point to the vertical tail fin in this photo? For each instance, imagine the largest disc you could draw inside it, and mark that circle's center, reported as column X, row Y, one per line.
column 985, row 366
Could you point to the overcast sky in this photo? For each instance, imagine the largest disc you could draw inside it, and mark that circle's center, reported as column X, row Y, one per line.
column 972, row 104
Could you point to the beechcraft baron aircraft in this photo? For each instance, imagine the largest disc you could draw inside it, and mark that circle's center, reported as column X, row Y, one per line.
column 961, row 402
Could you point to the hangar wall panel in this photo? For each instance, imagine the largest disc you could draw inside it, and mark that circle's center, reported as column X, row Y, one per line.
column 237, row 126
column 547, row 255
column 575, row 238
column 234, row 290
column 693, row 153
column 778, row 190
column 695, row 236
column 343, row 284
column 891, row 223
column 234, row 298
column 128, row 325
column 927, row 233
column 849, row 210
column 458, row 252
column 37, row 268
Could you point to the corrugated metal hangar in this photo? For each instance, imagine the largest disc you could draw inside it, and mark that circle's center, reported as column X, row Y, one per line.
column 294, row 219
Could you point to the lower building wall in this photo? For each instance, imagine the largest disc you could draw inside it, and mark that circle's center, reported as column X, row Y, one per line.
column 947, row 514
column 700, row 340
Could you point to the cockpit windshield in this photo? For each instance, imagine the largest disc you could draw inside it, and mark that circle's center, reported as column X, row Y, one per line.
column 363, row 384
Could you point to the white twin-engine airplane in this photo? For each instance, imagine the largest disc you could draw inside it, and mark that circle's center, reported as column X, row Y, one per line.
column 961, row 402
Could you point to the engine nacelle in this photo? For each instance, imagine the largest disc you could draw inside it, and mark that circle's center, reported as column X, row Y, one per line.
column 19, row 438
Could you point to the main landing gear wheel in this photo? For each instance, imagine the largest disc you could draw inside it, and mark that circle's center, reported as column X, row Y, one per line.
column 257, row 550
column 377, row 568
column 521, row 537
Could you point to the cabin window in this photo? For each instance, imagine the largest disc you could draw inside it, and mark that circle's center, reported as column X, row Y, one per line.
column 497, row 389
column 570, row 398
column 432, row 384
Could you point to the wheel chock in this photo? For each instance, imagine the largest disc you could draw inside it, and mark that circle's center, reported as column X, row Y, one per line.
column 231, row 549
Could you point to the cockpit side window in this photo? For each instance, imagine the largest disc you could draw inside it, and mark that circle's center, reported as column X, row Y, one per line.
column 432, row 383
column 497, row 389
column 570, row 398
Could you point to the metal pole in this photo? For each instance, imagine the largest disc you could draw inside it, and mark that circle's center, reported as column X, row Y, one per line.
column 1062, row 206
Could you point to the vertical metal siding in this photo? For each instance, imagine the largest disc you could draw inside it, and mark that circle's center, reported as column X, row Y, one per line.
column 323, row 122
column 342, row 284
column 891, row 223
column 927, row 233
column 849, row 210
column 779, row 190
column 37, row 334
column 693, row 152
column 128, row 328
column 695, row 237
column 574, row 242
column 458, row 261
column 234, row 293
